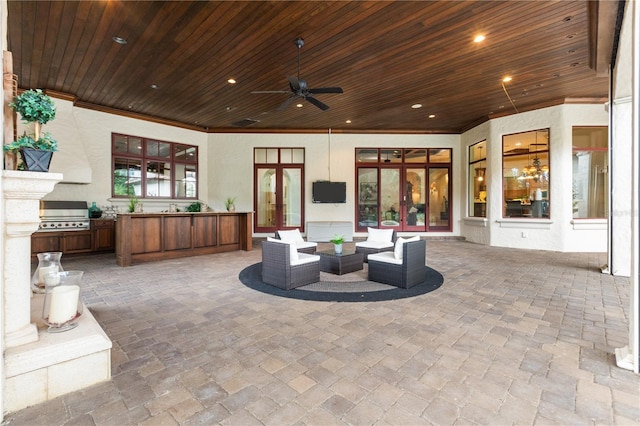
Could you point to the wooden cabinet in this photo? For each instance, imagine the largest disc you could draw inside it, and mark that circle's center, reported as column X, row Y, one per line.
column 104, row 234
column 99, row 238
column 144, row 237
column 42, row 242
column 69, row 242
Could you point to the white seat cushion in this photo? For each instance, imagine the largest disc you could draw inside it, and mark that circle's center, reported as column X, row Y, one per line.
column 306, row 244
column 304, row 258
column 385, row 256
column 291, row 235
column 374, row 244
column 293, row 251
column 384, row 235
column 397, row 251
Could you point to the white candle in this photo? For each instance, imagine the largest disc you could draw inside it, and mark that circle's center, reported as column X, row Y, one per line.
column 64, row 303
column 44, row 270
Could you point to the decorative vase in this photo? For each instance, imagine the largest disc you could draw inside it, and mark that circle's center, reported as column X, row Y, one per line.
column 338, row 248
column 48, row 263
column 62, row 302
column 36, row 160
column 231, row 208
column 94, row 211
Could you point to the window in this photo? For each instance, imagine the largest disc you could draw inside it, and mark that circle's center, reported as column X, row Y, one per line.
column 403, row 188
column 525, row 174
column 151, row 168
column 477, row 183
column 590, row 162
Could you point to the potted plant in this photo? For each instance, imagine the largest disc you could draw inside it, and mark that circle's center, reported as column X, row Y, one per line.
column 35, row 152
column 229, row 204
column 34, row 107
column 337, row 241
column 194, row 207
column 133, row 203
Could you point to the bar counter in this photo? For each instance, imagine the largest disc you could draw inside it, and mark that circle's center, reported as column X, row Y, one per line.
column 147, row 237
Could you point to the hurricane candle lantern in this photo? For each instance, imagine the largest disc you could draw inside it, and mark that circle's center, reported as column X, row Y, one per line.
column 62, row 302
column 48, row 263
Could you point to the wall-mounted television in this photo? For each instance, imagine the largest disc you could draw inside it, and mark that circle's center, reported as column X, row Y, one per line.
column 324, row 191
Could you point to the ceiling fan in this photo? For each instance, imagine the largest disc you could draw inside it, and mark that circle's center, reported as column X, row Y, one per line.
column 300, row 89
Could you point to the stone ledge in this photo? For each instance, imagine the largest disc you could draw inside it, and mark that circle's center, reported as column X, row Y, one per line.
column 56, row 364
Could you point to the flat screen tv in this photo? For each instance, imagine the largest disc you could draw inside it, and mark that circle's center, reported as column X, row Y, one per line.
column 324, row 191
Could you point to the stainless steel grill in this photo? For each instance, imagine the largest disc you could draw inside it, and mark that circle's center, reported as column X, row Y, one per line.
column 63, row 216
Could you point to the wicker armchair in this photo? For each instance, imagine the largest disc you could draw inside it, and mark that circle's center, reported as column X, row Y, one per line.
column 403, row 273
column 294, row 236
column 280, row 270
column 372, row 247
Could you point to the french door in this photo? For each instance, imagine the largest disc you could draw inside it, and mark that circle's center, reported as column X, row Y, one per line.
column 279, row 198
column 404, row 196
column 411, row 202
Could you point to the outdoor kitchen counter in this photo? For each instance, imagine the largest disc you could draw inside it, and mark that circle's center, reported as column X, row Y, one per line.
column 147, row 237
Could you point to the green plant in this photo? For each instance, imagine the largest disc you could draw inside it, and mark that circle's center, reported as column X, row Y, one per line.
column 337, row 239
column 133, row 201
column 229, row 202
column 34, row 106
column 193, row 207
column 45, row 143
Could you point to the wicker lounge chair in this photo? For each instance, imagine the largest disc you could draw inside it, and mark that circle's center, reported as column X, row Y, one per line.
column 294, row 236
column 284, row 269
column 405, row 272
column 375, row 245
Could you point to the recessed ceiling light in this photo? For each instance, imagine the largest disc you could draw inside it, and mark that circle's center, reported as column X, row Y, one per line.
column 154, row 86
column 478, row 38
column 299, row 105
column 119, row 40
column 416, row 106
column 348, row 121
column 231, row 81
column 432, row 116
column 507, row 79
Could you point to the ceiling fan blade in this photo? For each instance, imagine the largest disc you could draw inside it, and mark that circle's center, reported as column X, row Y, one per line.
column 294, row 83
column 327, row 90
column 270, row 91
column 317, row 103
column 285, row 104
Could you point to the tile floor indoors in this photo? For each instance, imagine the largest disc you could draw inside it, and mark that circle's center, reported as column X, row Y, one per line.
column 512, row 337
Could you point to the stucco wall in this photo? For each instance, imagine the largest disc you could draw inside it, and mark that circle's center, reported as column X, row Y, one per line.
column 328, row 157
column 226, row 170
column 557, row 233
column 94, row 130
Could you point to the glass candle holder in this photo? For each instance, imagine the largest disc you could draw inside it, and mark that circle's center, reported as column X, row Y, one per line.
column 48, row 263
column 62, row 302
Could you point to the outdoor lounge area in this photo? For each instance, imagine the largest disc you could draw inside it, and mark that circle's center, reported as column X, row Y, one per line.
column 502, row 341
column 306, row 218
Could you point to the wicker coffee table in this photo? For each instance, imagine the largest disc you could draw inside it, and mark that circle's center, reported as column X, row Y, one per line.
column 348, row 261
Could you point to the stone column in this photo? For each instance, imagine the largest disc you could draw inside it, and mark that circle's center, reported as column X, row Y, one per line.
column 22, row 192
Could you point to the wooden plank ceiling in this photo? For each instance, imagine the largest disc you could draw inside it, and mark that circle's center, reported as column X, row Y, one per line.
column 386, row 56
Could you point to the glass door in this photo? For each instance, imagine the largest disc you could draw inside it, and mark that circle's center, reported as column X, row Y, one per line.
column 390, row 200
column 438, row 210
column 266, row 216
column 415, row 201
column 279, row 198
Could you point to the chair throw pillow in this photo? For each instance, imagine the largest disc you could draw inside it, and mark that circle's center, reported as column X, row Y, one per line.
column 293, row 251
column 382, row 235
column 397, row 251
column 291, row 236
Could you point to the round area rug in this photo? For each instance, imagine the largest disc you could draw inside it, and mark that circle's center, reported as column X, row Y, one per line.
column 341, row 289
